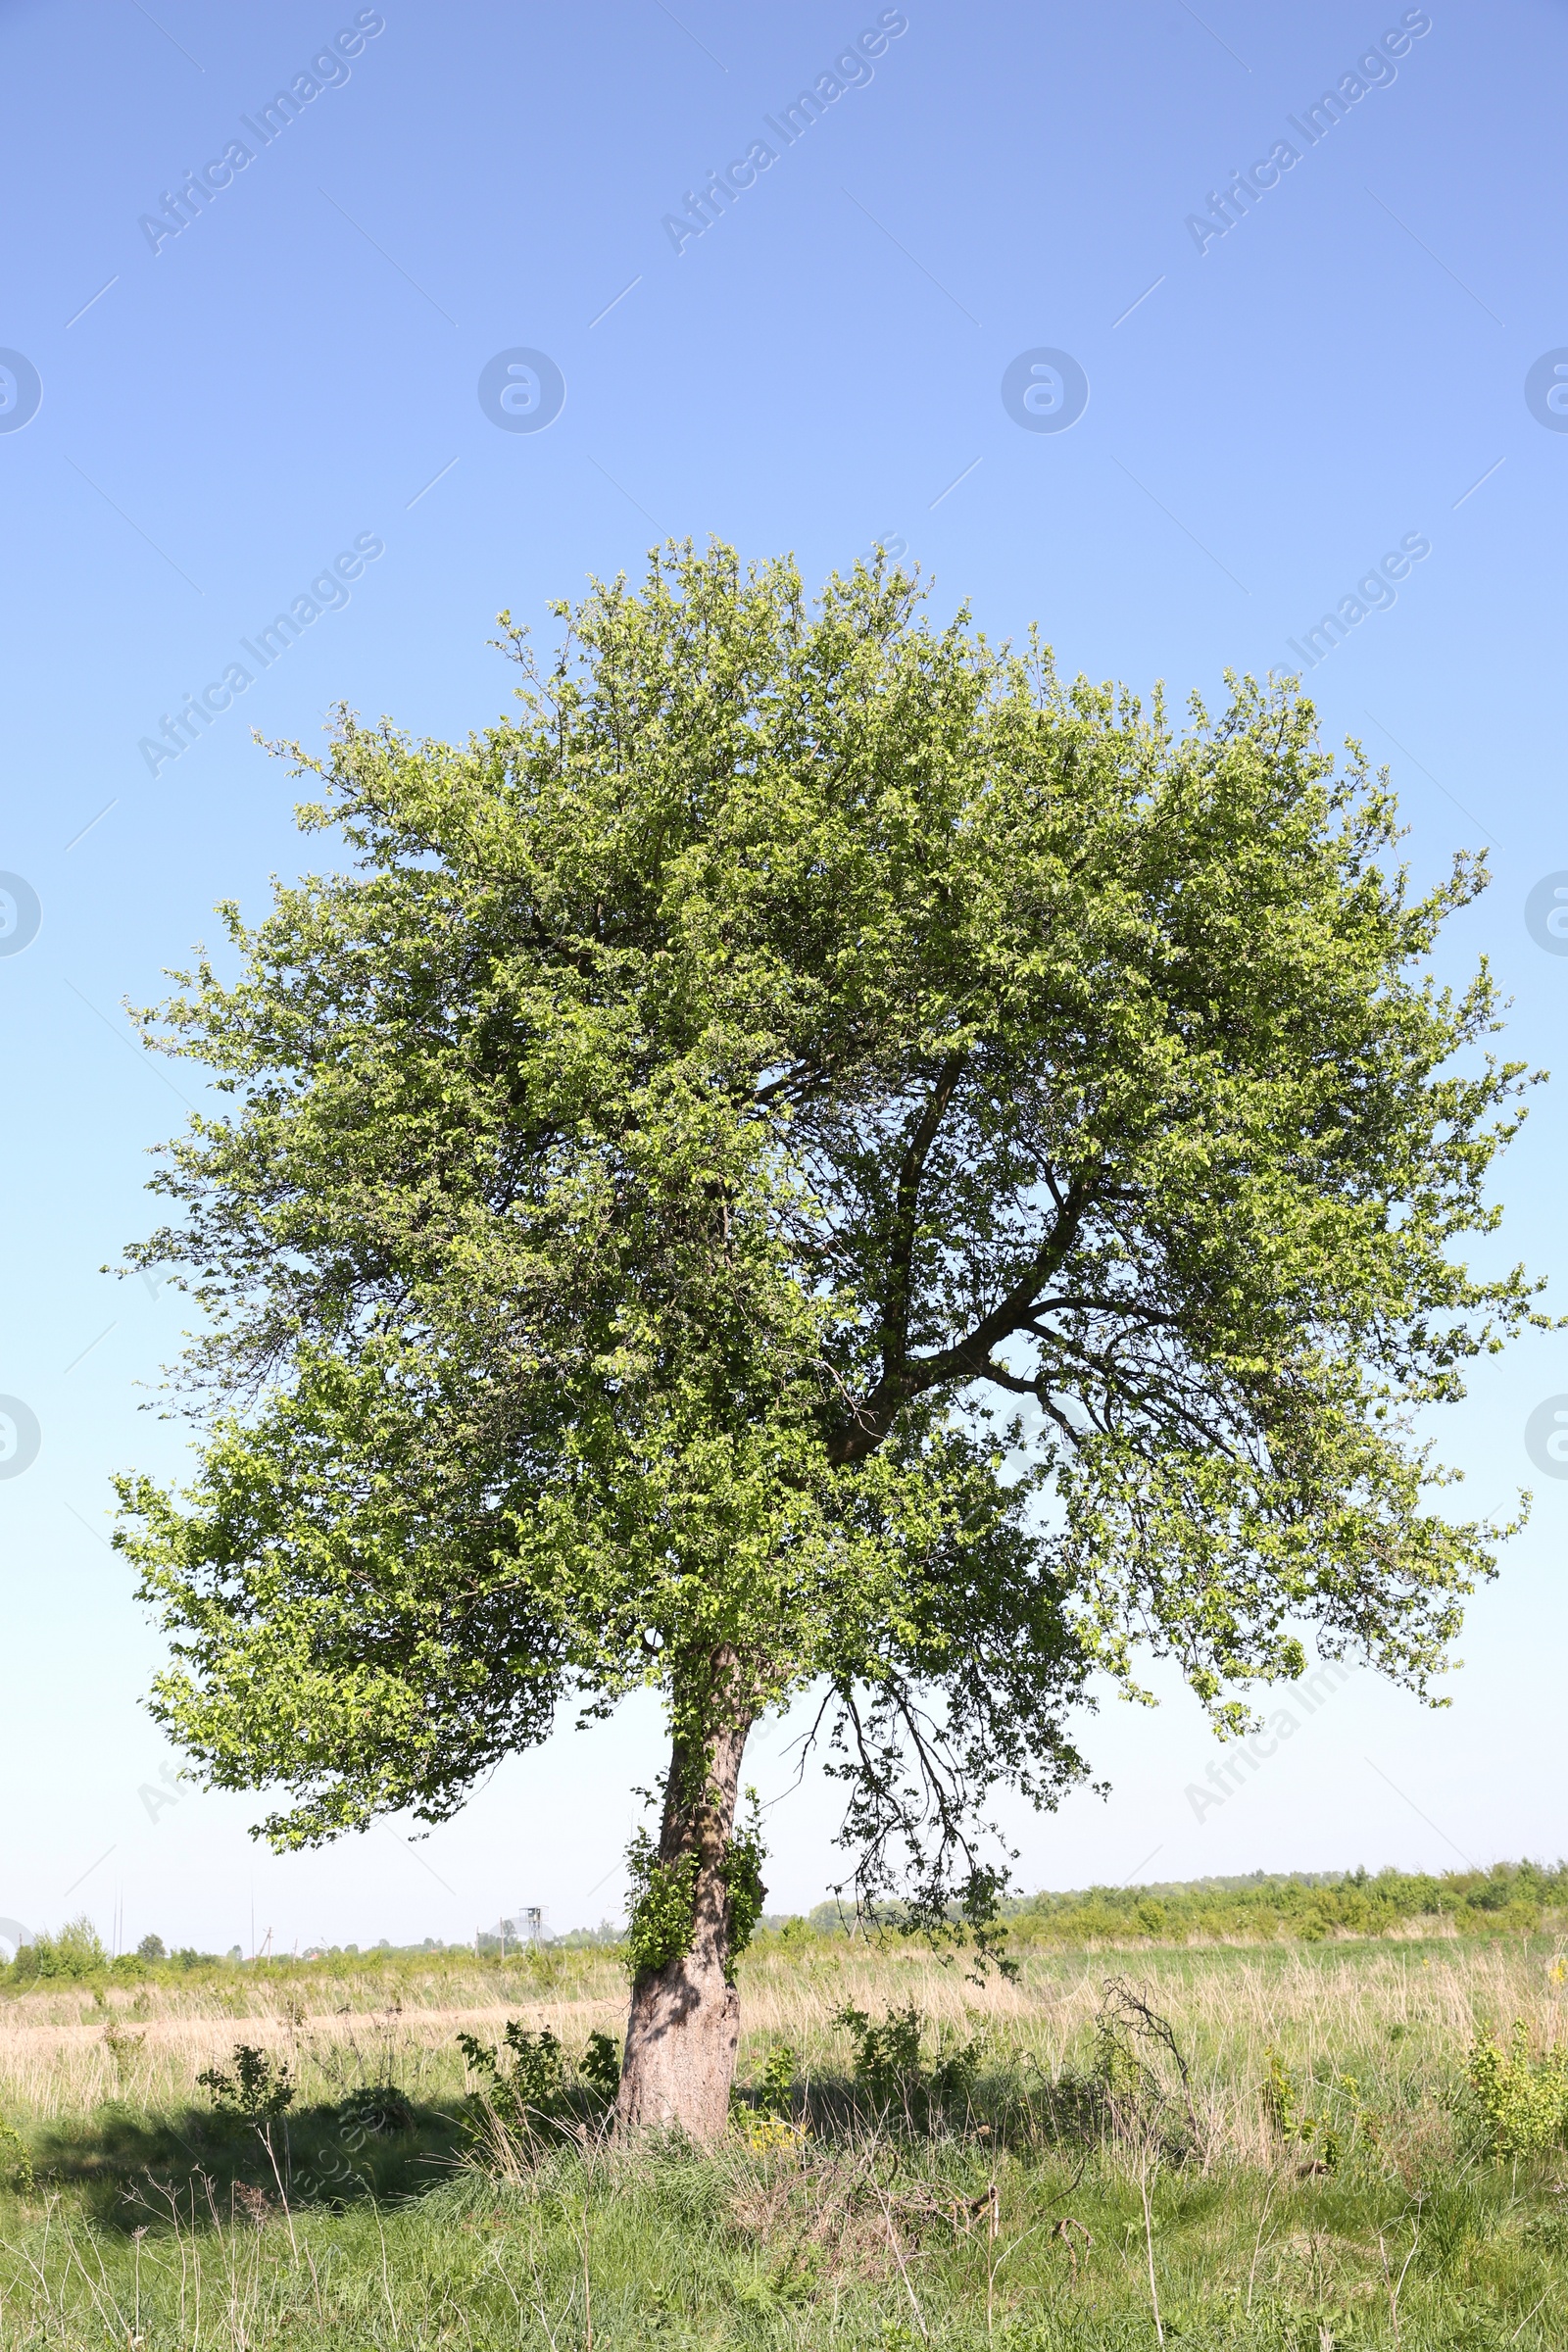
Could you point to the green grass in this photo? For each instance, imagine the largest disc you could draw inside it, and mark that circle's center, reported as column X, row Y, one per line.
column 861, row 2213
column 866, row 2239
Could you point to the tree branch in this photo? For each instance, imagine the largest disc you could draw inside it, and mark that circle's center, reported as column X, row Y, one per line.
column 896, row 1306
column 970, row 1357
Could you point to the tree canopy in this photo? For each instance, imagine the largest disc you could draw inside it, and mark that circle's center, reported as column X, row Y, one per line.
column 815, row 1155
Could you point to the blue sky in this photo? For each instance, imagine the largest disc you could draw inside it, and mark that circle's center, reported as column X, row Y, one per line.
column 225, row 410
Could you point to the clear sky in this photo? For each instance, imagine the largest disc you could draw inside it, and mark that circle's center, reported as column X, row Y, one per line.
column 206, row 398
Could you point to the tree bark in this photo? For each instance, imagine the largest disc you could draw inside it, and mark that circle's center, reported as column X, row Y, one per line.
column 684, row 2027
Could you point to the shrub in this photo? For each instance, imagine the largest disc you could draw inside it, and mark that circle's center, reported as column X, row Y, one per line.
column 892, row 2072
column 1308, row 2131
column 527, row 2083
column 776, row 2084
column 123, row 2047
column 1525, row 2101
column 15, row 2162
column 259, row 2088
column 1511, row 1898
column 766, row 2122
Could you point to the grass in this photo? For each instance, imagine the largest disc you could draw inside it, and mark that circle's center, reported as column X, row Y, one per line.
column 1071, row 2183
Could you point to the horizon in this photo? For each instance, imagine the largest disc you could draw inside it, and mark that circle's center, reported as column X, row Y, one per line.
column 823, row 1916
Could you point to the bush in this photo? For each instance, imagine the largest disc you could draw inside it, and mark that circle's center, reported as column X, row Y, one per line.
column 15, row 2162
column 1318, row 2134
column 892, row 2072
column 1512, row 1898
column 775, row 2090
column 527, row 2083
column 260, row 2087
column 1525, row 2101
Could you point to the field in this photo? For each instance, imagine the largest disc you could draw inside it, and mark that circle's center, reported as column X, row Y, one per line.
column 1304, row 2162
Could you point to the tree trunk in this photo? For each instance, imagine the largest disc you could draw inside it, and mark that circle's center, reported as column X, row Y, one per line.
column 684, row 2026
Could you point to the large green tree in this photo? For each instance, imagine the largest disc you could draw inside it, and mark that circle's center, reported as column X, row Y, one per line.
column 812, row 1157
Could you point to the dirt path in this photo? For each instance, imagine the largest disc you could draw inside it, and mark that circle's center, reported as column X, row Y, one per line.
column 431, row 2025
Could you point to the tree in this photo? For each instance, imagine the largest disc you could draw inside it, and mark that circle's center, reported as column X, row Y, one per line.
column 813, row 1157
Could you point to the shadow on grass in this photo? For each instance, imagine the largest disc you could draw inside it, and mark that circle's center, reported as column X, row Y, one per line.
column 131, row 2170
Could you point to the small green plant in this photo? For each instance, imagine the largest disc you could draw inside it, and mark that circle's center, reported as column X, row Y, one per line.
column 776, row 2084
column 528, row 2089
column 123, row 2047
column 600, row 2065
column 767, row 2123
column 260, row 2089
column 1279, row 2099
column 1317, row 2134
column 1524, row 2100
column 527, row 2083
column 887, row 2057
column 892, row 2072
column 15, row 2159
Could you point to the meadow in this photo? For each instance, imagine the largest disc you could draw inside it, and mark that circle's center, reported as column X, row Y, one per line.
column 1280, row 2135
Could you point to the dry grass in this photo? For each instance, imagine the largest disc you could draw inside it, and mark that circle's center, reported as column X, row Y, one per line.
column 845, row 2233
column 1396, row 2015
column 62, row 2055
